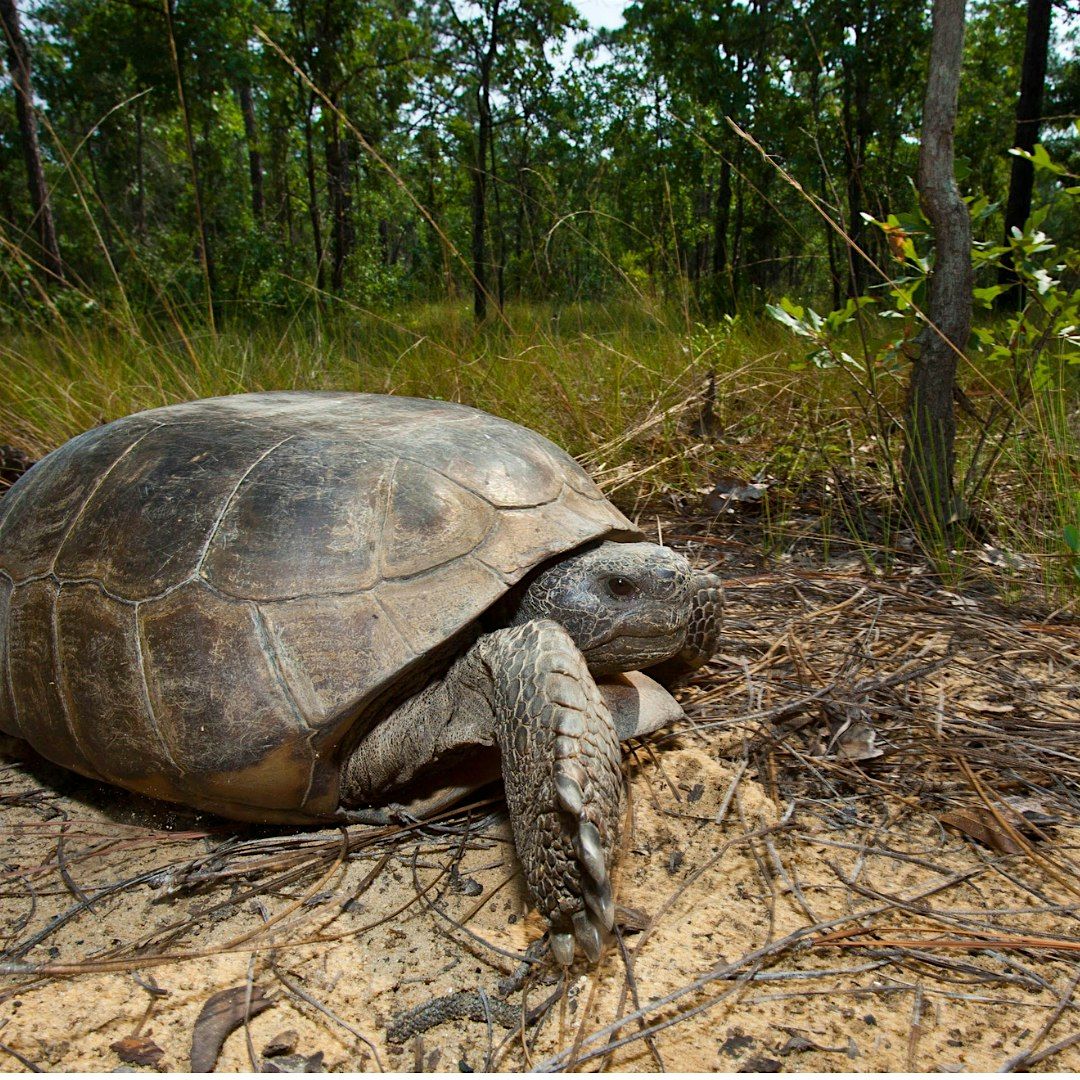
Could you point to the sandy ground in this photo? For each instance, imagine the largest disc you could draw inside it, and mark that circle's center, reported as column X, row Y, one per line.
column 805, row 796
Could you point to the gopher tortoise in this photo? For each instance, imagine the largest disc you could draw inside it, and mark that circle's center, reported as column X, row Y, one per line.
column 304, row 607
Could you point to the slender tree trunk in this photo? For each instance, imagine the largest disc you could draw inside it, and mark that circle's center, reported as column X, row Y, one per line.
column 720, row 237
column 337, row 184
column 203, row 237
column 498, row 243
column 313, row 193
column 18, row 54
column 856, row 94
column 251, row 135
column 140, row 173
column 480, row 171
column 930, row 429
column 479, row 218
column 1028, row 116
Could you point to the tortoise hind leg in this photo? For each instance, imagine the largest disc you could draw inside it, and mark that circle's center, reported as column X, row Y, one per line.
column 561, row 770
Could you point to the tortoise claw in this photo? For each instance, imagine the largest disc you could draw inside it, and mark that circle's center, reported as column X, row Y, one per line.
column 590, row 850
column 562, row 947
column 587, row 934
column 599, row 901
column 569, row 793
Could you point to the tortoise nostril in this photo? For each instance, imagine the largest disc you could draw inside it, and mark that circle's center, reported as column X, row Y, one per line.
column 665, row 574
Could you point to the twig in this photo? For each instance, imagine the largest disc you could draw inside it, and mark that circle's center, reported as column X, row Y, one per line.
column 1025, row 1057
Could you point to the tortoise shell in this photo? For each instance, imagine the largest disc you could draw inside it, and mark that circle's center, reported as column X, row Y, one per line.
column 208, row 602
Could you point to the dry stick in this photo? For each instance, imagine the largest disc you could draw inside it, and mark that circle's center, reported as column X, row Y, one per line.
column 521, row 958
column 631, row 980
column 383, row 163
column 65, row 875
column 25, row 1061
column 1042, row 1055
column 1012, row 832
column 316, row 1004
column 915, row 1033
column 845, row 939
column 1025, row 1056
column 92, row 966
column 722, row 971
column 249, row 992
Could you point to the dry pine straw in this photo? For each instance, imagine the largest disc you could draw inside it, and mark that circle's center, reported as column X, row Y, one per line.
column 858, row 854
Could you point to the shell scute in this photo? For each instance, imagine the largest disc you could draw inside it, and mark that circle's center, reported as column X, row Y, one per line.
column 430, row 520
column 305, row 521
column 147, row 524
column 39, row 708
column 218, row 701
column 54, row 495
column 333, row 650
column 102, row 680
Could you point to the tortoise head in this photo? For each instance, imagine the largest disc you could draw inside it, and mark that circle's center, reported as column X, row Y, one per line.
column 626, row 606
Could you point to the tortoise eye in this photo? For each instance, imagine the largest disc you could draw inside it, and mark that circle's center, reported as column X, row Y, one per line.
column 621, row 587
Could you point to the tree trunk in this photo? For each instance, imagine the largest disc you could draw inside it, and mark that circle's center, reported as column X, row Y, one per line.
column 498, row 240
column 337, row 184
column 480, row 171
column 196, row 185
column 140, row 173
column 724, row 301
column 857, row 131
column 930, row 428
column 251, row 135
column 18, row 53
column 313, row 194
column 1028, row 115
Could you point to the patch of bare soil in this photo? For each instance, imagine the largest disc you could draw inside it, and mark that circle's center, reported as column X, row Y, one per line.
column 858, row 854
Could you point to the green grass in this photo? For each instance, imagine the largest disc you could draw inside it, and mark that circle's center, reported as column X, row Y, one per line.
column 619, row 385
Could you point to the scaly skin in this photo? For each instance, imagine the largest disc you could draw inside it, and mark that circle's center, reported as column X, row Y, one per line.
column 531, row 688
column 702, row 632
column 561, row 769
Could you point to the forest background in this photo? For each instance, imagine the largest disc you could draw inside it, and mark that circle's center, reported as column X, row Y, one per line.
column 578, row 227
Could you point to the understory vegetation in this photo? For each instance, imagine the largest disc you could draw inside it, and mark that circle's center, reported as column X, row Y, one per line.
column 728, row 419
column 579, row 228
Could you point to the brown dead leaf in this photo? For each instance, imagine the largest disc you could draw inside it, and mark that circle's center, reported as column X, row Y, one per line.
column 857, row 742
column 222, row 1014
column 980, row 824
column 137, row 1050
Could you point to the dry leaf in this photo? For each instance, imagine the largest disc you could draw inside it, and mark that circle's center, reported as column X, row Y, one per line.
column 978, row 823
column 222, row 1014
column 137, row 1050
column 857, row 743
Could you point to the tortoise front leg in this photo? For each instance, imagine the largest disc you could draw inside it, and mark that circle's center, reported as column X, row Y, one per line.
column 561, row 769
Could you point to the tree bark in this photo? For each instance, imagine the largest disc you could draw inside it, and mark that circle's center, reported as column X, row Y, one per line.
column 337, row 184
column 205, row 255
column 18, row 53
column 1028, row 116
column 722, row 292
column 251, row 135
column 930, row 429
column 313, row 193
column 140, row 173
column 480, row 170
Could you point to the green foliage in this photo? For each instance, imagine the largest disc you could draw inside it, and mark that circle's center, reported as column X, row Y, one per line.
column 613, row 172
column 1028, row 362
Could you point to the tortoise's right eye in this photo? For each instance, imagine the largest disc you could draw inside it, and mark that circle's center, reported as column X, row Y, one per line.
column 621, row 587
